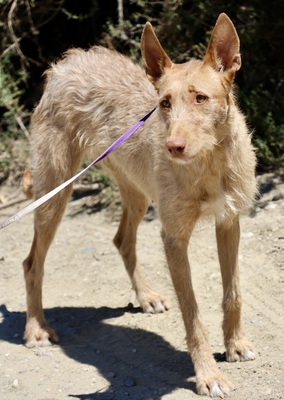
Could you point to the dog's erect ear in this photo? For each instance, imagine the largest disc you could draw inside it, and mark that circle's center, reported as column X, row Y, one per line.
column 154, row 56
column 223, row 52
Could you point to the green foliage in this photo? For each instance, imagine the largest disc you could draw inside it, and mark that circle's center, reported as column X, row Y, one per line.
column 34, row 33
column 12, row 89
column 268, row 130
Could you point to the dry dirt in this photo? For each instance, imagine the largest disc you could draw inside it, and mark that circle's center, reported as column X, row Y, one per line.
column 109, row 352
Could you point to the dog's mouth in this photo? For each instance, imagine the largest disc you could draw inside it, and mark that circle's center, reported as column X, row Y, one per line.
column 181, row 155
column 181, row 159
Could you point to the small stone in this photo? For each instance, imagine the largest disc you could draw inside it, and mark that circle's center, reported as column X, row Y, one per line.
column 42, row 353
column 129, row 382
column 247, row 234
column 110, row 375
column 270, row 206
column 15, row 384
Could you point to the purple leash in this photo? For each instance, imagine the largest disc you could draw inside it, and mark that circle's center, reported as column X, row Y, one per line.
column 53, row 192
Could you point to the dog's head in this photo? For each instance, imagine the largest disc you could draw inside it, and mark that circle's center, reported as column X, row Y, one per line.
column 194, row 97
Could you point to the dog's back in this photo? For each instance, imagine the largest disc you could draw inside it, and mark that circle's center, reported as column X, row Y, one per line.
column 90, row 98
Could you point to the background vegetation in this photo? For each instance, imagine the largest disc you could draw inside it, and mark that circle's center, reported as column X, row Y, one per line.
column 34, row 33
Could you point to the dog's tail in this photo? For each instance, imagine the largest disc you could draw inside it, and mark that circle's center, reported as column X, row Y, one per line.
column 27, row 184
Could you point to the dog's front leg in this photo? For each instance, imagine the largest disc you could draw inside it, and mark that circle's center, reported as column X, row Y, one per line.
column 238, row 348
column 209, row 380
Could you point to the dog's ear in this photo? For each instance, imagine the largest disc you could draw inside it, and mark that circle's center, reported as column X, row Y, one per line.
column 223, row 52
column 154, row 56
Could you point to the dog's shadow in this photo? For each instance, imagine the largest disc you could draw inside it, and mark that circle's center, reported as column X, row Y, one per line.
column 136, row 363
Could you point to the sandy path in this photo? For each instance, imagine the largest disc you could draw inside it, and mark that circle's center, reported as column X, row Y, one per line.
column 107, row 352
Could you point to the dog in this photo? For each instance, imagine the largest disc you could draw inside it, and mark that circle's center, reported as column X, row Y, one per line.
column 193, row 157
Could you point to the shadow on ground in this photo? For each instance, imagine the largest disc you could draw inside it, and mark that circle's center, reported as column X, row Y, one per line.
column 137, row 364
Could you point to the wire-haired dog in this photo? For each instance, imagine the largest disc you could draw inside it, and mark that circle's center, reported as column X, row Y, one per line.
column 193, row 157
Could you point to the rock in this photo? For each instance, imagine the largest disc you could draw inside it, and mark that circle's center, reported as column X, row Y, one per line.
column 42, row 353
column 129, row 382
column 247, row 234
column 15, row 384
column 110, row 375
column 270, row 206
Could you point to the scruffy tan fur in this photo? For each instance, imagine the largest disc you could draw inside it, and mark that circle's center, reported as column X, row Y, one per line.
column 193, row 157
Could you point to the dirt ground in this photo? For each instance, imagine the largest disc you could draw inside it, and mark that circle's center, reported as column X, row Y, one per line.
column 107, row 351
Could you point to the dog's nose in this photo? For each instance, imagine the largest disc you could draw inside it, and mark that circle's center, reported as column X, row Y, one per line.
column 176, row 146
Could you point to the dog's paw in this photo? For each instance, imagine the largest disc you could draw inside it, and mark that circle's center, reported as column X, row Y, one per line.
column 240, row 350
column 37, row 336
column 152, row 302
column 213, row 386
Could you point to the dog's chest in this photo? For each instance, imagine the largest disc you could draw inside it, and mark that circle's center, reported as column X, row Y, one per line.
column 219, row 205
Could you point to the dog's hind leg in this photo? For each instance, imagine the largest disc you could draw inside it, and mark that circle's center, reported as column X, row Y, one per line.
column 134, row 207
column 238, row 348
column 46, row 220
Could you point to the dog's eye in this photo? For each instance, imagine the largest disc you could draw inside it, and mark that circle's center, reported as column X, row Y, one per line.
column 165, row 104
column 200, row 98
